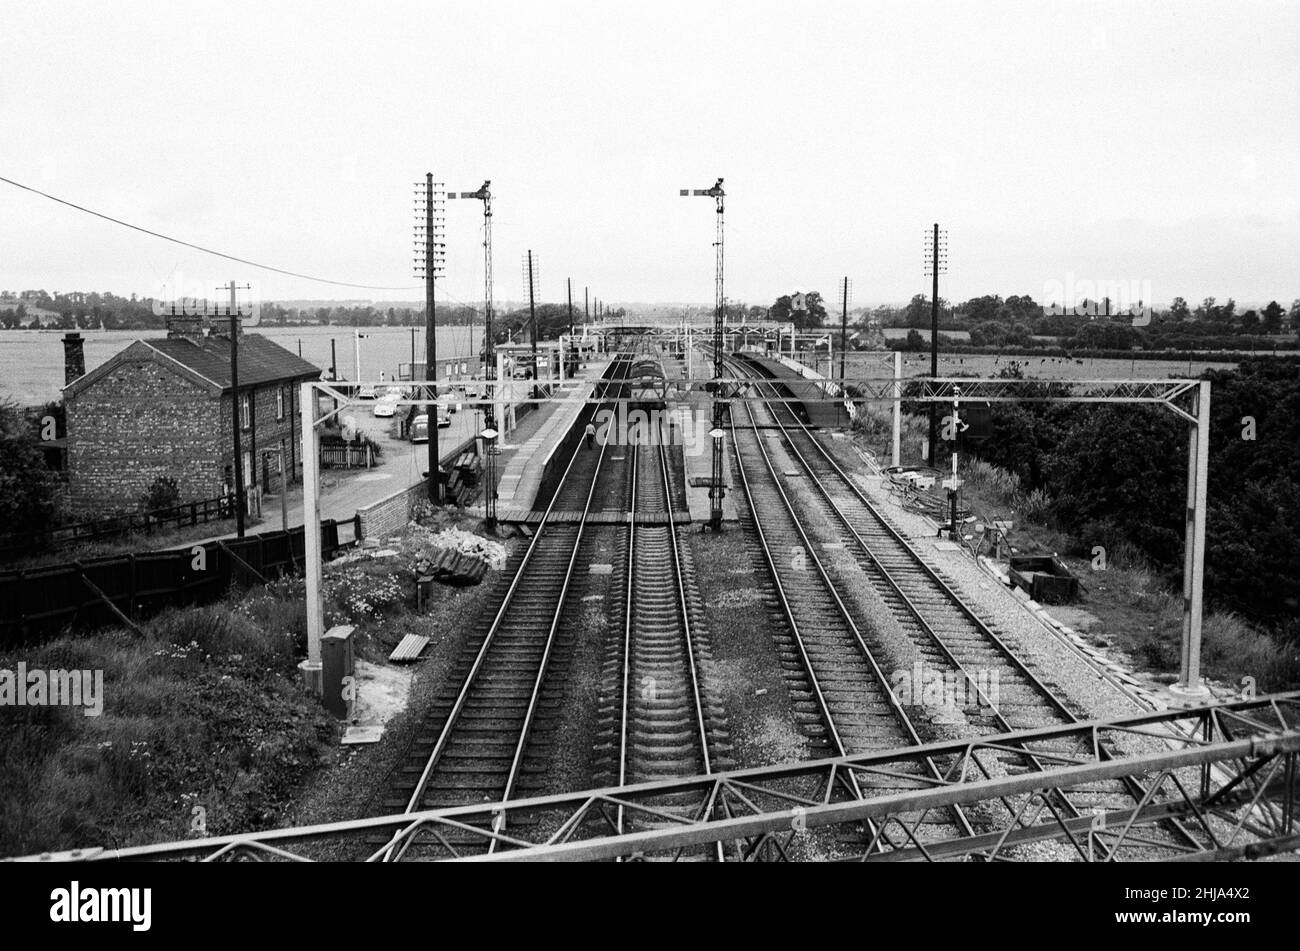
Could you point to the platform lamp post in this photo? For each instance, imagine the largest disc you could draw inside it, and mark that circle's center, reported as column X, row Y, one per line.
column 715, row 490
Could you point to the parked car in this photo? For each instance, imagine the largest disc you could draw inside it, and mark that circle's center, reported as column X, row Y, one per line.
column 366, row 392
column 386, row 407
column 420, row 428
column 444, row 420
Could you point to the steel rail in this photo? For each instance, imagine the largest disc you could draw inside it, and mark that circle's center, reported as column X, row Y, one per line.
column 683, row 611
column 462, row 696
column 814, row 681
column 534, row 698
column 1133, row 787
column 681, row 599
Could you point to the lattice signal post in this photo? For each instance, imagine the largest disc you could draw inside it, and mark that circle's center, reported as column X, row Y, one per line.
column 484, row 194
column 431, row 263
column 719, row 303
column 936, row 263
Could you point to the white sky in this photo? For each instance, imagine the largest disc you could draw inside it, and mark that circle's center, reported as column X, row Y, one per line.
column 1128, row 141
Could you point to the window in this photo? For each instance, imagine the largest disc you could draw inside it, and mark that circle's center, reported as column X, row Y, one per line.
column 279, row 403
column 246, row 412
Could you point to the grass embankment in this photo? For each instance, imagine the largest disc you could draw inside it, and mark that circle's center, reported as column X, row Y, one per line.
column 1138, row 610
column 204, row 712
column 204, row 727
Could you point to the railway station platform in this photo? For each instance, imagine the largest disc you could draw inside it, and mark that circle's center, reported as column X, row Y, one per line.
column 819, row 415
column 523, row 465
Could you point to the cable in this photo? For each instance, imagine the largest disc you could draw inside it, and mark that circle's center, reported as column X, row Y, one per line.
column 196, row 247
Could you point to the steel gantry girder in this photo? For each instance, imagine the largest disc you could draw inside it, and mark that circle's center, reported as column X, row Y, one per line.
column 1226, row 771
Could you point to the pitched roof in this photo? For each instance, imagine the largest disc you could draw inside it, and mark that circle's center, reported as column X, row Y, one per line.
column 261, row 361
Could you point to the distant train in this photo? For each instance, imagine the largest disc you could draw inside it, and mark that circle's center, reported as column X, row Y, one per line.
column 647, row 385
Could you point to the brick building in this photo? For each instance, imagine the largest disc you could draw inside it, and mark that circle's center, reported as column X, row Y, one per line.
column 162, row 407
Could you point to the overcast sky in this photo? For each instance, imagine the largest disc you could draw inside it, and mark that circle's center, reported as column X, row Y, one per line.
column 1148, row 142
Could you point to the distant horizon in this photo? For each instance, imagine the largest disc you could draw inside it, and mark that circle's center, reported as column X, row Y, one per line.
column 499, row 304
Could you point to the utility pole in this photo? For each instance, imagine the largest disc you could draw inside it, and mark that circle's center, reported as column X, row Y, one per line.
column 232, row 310
column 430, row 262
column 936, row 263
column 431, row 344
column 844, row 331
column 586, row 305
column 334, row 361
column 568, row 281
column 532, row 323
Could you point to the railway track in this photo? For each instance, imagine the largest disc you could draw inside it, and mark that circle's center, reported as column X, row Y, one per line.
column 855, row 710
column 999, row 692
column 657, row 720
column 477, row 737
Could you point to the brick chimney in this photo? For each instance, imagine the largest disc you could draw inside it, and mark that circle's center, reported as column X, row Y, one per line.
column 74, row 357
column 191, row 327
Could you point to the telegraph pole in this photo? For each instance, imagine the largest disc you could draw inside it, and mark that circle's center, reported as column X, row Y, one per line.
column 431, row 345
column 532, row 322
column 232, row 310
column 429, row 264
column 568, row 281
column 844, row 331
column 935, row 265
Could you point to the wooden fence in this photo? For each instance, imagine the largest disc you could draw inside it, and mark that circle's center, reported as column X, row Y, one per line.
column 189, row 513
column 38, row 603
column 347, row 456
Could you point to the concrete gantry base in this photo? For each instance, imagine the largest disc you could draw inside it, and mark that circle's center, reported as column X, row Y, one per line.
column 312, row 677
column 1181, row 696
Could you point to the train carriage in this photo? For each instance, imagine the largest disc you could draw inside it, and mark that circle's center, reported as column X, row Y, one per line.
column 647, row 385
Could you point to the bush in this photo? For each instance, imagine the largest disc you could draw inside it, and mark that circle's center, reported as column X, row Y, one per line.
column 161, row 494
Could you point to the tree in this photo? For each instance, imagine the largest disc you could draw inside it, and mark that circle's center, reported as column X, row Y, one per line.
column 813, row 314
column 914, row 341
column 29, row 498
column 917, row 312
column 982, row 309
column 1120, row 472
column 1179, row 310
column 988, row 334
column 1273, row 315
column 1249, row 322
